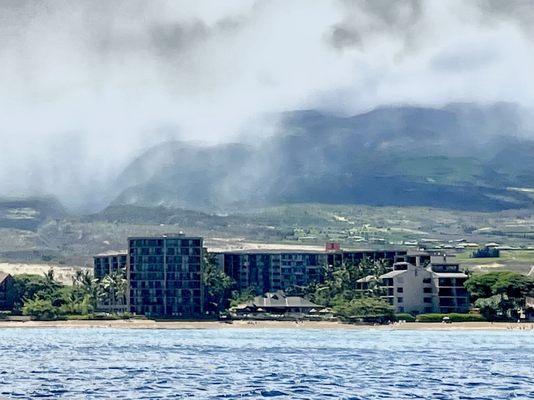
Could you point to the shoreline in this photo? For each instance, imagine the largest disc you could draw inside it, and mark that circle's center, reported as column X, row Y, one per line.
column 177, row 325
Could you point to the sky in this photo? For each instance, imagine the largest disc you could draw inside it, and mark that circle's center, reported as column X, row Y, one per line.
column 87, row 86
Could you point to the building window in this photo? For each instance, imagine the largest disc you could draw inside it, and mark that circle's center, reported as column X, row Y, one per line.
column 427, row 290
column 427, row 299
column 400, row 290
column 427, row 280
column 401, row 309
column 399, row 299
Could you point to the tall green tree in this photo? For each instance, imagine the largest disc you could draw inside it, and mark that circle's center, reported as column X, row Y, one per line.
column 216, row 283
column 86, row 286
column 113, row 288
column 340, row 285
column 364, row 307
column 499, row 293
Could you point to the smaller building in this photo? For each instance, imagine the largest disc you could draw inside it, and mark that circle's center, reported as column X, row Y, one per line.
column 277, row 304
column 106, row 263
column 6, row 291
column 408, row 288
column 448, row 281
column 425, row 284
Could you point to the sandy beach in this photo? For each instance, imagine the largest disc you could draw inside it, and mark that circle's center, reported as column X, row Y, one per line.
column 150, row 324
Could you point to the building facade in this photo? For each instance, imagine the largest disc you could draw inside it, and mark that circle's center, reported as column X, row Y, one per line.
column 107, row 263
column 268, row 271
column 448, row 281
column 426, row 287
column 271, row 271
column 165, row 276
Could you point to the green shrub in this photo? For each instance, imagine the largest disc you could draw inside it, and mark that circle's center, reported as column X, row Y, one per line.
column 40, row 309
column 4, row 314
column 363, row 307
column 454, row 317
column 404, row 317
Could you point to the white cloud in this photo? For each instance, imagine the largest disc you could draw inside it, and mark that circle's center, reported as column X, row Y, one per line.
column 86, row 86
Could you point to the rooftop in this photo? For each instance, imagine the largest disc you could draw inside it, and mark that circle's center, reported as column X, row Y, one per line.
column 368, row 278
column 280, row 300
column 111, row 253
column 393, row 274
column 450, row 274
column 270, row 251
column 166, row 236
column 3, row 276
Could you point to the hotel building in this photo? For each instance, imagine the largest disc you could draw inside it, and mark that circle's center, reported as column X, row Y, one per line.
column 165, row 276
column 422, row 287
column 106, row 263
column 269, row 271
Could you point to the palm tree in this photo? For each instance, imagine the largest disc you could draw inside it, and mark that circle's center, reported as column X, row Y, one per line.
column 216, row 281
column 113, row 289
column 88, row 286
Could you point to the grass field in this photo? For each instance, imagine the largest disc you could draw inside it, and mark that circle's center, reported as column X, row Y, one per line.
column 515, row 260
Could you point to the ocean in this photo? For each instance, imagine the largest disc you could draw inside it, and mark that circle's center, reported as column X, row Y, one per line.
column 264, row 363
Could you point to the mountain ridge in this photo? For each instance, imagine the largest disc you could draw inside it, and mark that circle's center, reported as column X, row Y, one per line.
column 398, row 156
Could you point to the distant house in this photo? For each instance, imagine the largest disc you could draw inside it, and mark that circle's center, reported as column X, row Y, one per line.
column 277, row 303
column 6, row 291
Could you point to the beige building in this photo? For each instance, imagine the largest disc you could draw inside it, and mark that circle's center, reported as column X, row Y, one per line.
column 448, row 281
column 421, row 286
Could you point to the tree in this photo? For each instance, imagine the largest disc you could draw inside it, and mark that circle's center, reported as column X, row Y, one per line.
column 217, row 284
column 113, row 289
column 499, row 293
column 28, row 286
column 242, row 297
column 41, row 309
column 510, row 283
column 364, row 307
column 86, row 285
column 490, row 307
column 341, row 284
column 25, row 286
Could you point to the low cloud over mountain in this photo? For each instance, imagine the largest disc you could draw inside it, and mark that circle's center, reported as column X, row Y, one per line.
column 460, row 157
column 88, row 86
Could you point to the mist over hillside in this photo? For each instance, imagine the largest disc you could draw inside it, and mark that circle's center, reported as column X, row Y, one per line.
column 89, row 86
column 462, row 156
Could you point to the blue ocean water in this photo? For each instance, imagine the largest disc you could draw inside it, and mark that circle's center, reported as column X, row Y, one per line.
column 259, row 363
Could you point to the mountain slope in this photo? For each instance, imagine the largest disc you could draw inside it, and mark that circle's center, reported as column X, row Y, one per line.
column 29, row 213
column 459, row 157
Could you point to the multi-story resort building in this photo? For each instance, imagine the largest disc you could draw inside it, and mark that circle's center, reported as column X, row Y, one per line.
column 268, row 271
column 448, row 281
column 165, row 276
column 107, row 263
column 422, row 287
